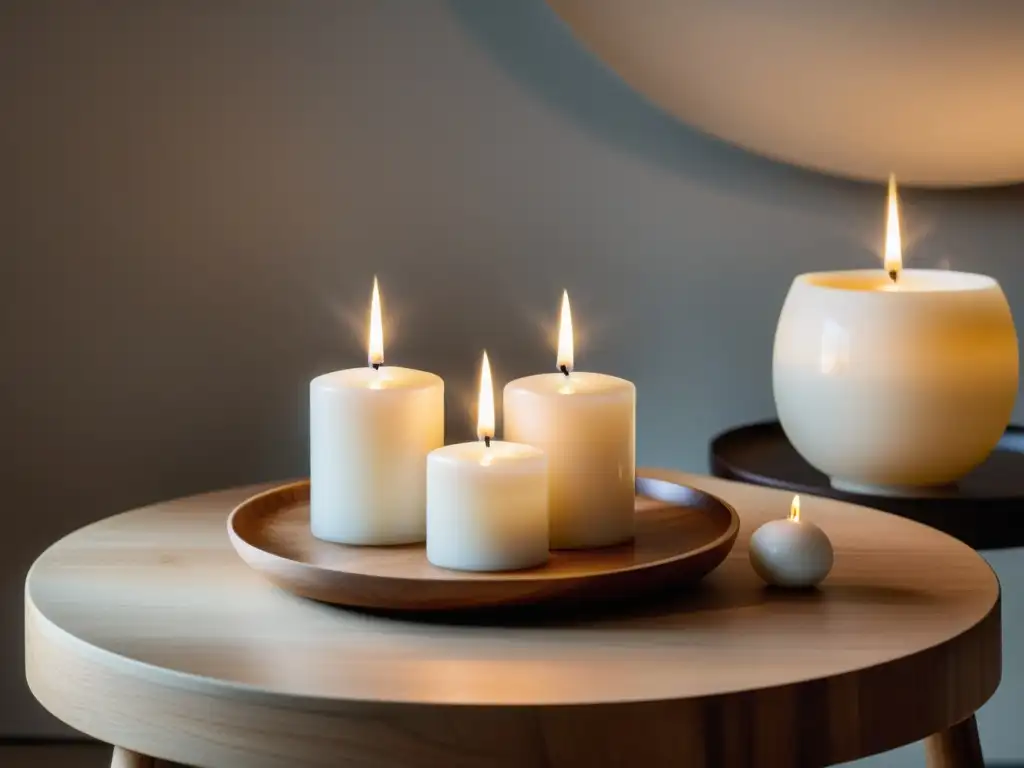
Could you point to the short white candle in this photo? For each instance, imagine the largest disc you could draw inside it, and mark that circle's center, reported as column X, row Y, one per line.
column 487, row 502
column 370, row 430
column 893, row 380
column 791, row 552
column 586, row 425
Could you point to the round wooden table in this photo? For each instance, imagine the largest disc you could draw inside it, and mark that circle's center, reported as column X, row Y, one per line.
column 145, row 630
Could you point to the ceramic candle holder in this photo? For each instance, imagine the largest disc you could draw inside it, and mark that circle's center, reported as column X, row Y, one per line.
column 891, row 387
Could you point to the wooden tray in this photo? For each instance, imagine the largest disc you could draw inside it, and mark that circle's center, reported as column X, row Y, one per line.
column 682, row 534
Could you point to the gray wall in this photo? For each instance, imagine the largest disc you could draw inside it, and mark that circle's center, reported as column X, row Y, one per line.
column 196, row 195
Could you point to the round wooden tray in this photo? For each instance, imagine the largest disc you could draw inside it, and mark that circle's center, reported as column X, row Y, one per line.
column 682, row 534
column 982, row 510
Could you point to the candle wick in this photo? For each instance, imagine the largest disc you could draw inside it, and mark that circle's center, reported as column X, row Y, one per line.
column 375, row 366
column 564, row 369
column 893, row 274
column 487, row 441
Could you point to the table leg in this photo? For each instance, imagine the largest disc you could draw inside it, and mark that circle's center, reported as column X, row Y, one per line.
column 956, row 747
column 124, row 758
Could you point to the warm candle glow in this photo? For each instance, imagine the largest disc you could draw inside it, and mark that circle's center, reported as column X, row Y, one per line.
column 376, row 345
column 794, row 509
column 565, row 346
column 485, row 403
column 893, row 244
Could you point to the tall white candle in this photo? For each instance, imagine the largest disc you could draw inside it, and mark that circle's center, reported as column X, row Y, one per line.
column 586, row 425
column 487, row 502
column 370, row 430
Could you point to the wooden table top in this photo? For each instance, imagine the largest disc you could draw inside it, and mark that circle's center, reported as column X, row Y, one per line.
column 146, row 630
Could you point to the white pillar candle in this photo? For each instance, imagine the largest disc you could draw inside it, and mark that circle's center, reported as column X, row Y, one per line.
column 586, row 425
column 370, row 430
column 791, row 552
column 892, row 380
column 487, row 502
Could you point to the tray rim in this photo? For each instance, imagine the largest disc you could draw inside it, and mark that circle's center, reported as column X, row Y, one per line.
column 645, row 484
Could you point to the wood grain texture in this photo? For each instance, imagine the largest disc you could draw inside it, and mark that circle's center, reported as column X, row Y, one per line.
column 955, row 747
column 681, row 535
column 147, row 631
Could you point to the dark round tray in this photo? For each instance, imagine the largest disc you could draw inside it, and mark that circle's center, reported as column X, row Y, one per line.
column 982, row 510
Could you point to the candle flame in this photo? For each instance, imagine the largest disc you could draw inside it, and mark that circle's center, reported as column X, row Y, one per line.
column 376, row 345
column 893, row 243
column 794, row 509
column 485, row 403
column 565, row 345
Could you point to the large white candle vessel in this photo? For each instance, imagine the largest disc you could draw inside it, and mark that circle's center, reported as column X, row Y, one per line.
column 487, row 502
column 891, row 380
column 370, row 430
column 586, row 425
column 791, row 552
